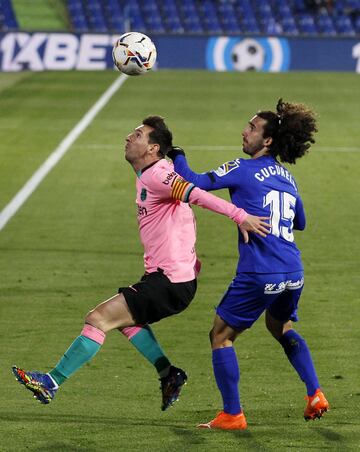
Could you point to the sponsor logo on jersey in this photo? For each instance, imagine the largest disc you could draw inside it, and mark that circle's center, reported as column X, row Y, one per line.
column 143, row 194
column 169, row 177
column 141, row 211
column 227, row 167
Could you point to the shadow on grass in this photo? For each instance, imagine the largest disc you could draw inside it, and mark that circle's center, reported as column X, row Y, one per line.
column 63, row 446
column 30, row 418
column 192, row 436
column 331, row 435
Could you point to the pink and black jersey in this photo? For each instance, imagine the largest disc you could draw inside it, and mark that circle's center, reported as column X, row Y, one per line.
column 166, row 222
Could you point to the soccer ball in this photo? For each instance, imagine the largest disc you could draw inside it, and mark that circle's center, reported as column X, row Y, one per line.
column 134, row 53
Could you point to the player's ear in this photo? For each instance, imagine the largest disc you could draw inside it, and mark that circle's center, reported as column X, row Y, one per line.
column 268, row 141
column 154, row 148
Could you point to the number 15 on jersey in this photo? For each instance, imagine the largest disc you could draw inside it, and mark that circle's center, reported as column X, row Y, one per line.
column 282, row 210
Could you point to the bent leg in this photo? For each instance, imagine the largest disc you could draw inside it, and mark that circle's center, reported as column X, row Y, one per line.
column 144, row 340
column 296, row 350
column 108, row 315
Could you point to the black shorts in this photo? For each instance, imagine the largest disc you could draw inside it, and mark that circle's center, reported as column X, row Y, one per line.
column 155, row 297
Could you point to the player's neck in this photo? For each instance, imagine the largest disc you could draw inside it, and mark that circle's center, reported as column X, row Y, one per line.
column 141, row 165
column 263, row 151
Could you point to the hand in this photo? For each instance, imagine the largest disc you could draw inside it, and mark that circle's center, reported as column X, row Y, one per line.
column 258, row 225
column 174, row 151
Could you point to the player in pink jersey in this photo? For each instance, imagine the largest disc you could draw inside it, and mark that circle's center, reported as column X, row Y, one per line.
column 167, row 231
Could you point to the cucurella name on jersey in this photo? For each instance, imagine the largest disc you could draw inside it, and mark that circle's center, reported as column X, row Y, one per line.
column 271, row 170
column 275, row 170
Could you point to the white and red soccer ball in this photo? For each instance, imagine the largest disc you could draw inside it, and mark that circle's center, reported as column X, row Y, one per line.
column 134, row 53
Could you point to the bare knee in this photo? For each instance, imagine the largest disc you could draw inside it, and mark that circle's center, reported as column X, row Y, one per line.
column 95, row 318
column 219, row 339
column 276, row 327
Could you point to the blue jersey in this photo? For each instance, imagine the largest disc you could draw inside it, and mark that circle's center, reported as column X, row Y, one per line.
column 262, row 187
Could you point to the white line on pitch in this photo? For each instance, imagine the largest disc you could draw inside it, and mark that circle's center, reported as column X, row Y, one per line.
column 25, row 192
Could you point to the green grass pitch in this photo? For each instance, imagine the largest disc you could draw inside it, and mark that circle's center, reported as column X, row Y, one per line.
column 75, row 241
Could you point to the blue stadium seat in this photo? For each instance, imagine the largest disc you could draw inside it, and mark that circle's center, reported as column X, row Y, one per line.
column 113, row 7
column 270, row 27
column 149, row 7
column 352, row 5
column 325, row 25
column 137, row 22
column 250, row 25
column 192, row 24
column 154, row 23
column 190, row 17
column 357, row 24
column 289, row 26
column 243, row 8
column 228, row 18
column 116, row 24
column 299, row 7
column 246, row 17
column 75, row 6
column 77, row 16
column 151, row 16
column 344, row 25
column 95, row 16
column 169, row 8
column 229, row 23
column 209, row 17
column 264, row 7
column 8, row 19
column 173, row 25
column 80, row 24
column 338, row 7
column 134, row 7
column 274, row 17
column 188, row 3
column 284, row 10
column 114, row 16
column 306, row 24
column 171, row 18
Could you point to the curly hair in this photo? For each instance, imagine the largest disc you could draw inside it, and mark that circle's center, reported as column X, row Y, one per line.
column 291, row 128
column 161, row 134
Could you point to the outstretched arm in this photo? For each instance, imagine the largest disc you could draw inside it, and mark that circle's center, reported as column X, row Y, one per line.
column 169, row 184
column 205, row 181
column 248, row 223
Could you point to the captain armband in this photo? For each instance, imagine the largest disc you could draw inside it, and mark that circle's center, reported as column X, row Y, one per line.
column 181, row 189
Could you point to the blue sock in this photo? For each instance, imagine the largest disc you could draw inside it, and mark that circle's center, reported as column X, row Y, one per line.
column 79, row 353
column 298, row 354
column 227, row 376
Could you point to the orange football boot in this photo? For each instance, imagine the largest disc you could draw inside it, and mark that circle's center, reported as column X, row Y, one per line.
column 225, row 421
column 316, row 406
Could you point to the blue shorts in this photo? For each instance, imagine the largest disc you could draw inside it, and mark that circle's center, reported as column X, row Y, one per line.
column 250, row 294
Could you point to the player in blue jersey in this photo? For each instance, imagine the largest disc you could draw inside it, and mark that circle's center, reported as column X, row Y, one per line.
column 269, row 275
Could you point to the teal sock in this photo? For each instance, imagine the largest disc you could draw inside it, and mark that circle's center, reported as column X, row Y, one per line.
column 80, row 352
column 145, row 342
column 57, row 376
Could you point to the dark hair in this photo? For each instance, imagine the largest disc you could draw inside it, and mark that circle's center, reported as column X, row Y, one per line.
column 161, row 134
column 292, row 128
